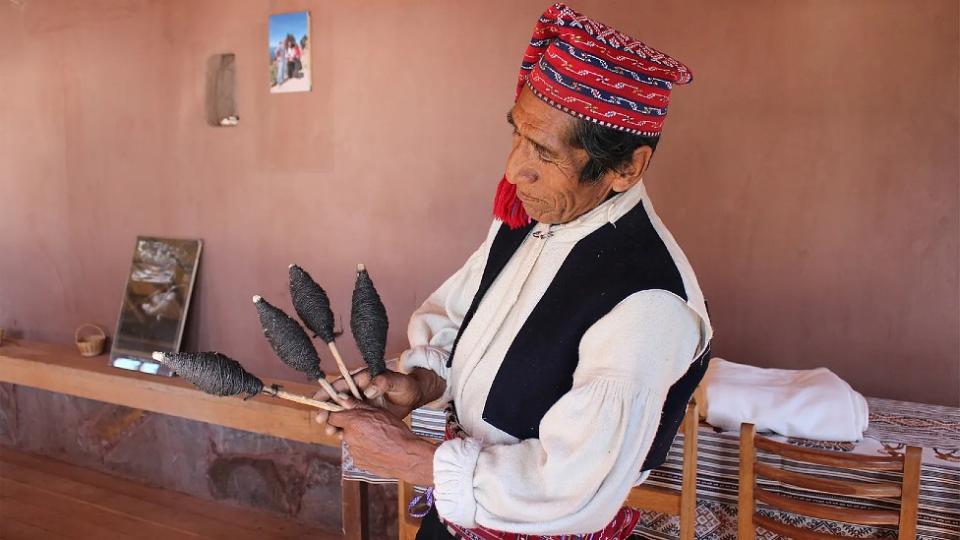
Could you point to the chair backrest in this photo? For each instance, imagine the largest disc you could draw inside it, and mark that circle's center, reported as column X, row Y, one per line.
column 907, row 491
column 681, row 503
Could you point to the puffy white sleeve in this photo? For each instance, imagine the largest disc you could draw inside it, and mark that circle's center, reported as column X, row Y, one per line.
column 434, row 325
column 593, row 441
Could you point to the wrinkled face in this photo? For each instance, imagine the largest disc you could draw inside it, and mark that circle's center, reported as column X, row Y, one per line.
column 545, row 167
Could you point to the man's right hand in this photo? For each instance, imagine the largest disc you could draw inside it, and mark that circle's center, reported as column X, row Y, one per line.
column 395, row 392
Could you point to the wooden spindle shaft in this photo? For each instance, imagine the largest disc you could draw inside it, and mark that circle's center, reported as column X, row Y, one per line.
column 344, row 371
column 331, row 391
column 283, row 394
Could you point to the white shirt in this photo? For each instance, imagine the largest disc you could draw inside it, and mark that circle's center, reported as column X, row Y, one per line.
column 592, row 442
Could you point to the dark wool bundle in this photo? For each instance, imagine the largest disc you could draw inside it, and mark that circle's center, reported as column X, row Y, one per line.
column 368, row 322
column 289, row 340
column 312, row 303
column 212, row 372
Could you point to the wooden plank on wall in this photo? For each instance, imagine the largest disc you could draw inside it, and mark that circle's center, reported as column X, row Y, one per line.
column 58, row 368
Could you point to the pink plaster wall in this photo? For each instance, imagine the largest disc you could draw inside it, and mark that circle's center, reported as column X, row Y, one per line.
column 810, row 172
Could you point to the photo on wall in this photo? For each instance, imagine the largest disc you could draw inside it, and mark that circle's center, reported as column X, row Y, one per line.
column 289, row 49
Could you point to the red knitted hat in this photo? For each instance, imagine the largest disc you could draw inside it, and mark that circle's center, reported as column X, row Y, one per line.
column 593, row 72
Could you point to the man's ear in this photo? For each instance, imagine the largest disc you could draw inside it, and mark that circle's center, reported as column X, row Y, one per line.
column 631, row 172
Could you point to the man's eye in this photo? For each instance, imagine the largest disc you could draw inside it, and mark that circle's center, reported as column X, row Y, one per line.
column 541, row 155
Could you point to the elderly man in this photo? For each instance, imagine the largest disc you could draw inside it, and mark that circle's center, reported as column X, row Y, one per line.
column 569, row 343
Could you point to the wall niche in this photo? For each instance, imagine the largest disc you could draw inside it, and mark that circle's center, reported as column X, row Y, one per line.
column 221, row 99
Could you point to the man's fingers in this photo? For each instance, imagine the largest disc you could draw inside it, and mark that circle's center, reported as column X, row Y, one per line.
column 350, row 403
column 383, row 384
column 324, row 395
column 362, row 379
column 339, row 420
column 379, row 386
column 344, row 417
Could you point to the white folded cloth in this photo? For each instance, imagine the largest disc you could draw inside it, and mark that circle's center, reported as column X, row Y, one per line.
column 810, row 404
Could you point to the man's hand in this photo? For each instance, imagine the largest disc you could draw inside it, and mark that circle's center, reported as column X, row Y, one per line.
column 394, row 392
column 382, row 444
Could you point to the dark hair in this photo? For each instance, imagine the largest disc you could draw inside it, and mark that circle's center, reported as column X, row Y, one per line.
column 608, row 148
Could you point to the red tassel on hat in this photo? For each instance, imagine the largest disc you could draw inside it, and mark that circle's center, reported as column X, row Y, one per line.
column 507, row 207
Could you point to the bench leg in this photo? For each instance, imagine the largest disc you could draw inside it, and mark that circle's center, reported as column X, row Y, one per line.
column 354, row 511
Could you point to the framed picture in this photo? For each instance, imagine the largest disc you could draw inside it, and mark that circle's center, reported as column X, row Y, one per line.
column 156, row 298
column 289, row 52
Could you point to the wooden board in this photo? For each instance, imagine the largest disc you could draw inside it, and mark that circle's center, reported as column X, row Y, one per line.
column 45, row 498
column 58, row 368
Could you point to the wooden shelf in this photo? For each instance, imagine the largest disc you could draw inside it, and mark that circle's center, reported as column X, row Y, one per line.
column 59, row 368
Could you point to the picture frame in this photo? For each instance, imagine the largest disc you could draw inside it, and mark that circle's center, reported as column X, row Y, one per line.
column 289, row 52
column 156, row 300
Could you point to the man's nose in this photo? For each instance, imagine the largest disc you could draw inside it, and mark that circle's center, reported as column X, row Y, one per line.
column 521, row 167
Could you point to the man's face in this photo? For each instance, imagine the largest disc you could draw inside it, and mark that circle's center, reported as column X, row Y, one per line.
column 545, row 167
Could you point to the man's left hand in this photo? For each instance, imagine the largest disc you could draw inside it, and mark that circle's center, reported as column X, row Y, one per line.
column 383, row 445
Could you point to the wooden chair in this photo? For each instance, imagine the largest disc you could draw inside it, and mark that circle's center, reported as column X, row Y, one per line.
column 681, row 503
column 908, row 491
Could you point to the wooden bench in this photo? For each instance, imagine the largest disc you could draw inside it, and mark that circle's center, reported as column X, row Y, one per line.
column 59, row 368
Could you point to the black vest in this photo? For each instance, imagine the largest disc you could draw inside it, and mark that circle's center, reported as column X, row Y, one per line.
column 602, row 269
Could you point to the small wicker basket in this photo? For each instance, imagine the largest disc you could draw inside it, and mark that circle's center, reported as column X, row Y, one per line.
column 91, row 344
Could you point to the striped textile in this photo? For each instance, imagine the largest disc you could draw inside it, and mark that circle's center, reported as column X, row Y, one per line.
column 893, row 426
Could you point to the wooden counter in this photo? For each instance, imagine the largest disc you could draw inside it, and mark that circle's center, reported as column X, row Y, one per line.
column 60, row 368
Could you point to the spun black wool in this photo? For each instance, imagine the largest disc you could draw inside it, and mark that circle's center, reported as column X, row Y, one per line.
column 368, row 322
column 288, row 339
column 213, row 372
column 312, row 303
